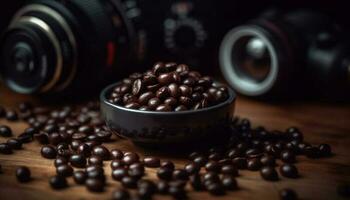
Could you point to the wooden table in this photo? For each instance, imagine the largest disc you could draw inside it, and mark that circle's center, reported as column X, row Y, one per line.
column 320, row 122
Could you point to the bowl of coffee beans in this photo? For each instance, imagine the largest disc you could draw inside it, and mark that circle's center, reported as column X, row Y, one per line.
column 168, row 104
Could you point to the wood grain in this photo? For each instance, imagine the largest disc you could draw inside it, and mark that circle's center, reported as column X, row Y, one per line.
column 320, row 122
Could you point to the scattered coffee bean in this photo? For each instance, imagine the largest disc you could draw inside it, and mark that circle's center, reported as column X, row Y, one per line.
column 58, row 182
column 64, row 170
column 229, row 182
column 151, row 162
column 165, row 173
column 177, row 192
column 325, row 150
column 116, row 154
column 101, row 151
column 77, row 160
column 94, row 185
column 79, row 177
column 120, row 194
column 119, row 173
column 23, row 174
column 130, row 158
column 60, row 161
column 129, row 182
column 215, row 189
column 5, row 148
column 48, row 152
column 11, row 115
column 254, row 164
column 180, row 174
column 192, row 168
column 288, row 157
column 288, row 194
column 162, row 187
column 212, row 166
column 268, row 160
column 167, row 164
column 14, row 143
column 289, row 170
column 5, row 131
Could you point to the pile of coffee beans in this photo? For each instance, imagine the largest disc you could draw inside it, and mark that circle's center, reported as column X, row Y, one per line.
column 168, row 87
column 74, row 136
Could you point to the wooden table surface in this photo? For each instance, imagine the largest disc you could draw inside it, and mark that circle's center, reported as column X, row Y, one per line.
column 320, row 122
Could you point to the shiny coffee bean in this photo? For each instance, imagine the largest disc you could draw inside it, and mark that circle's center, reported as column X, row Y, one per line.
column 94, row 185
column 181, row 108
column 162, row 187
column 119, row 173
column 268, row 160
column 84, row 149
column 78, row 160
column 79, row 177
column 60, row 161
column 212, row 166
column 14, row 143
column 177, row 192
column 64, row 170
column 151, row 162
column 23, row 174
column 229, row 183
column 229, row 170
column 180, row 174
column 288, row 194
column 192, row 168
column 289, row 170
column 154, row 103
column 254, row 164
column 130, row 158
column 11, row 115
column 163, row 92
column 174, row 90
column 116, row 164
column 145, row 97
column 137, row 87
column 58, row 182
column 120, row 194
column 163, row 108
column 48, row 152
column 101, row 151
column 5, row 131
column 215, row 189
column 269, row 173
column 129, row 182
column 325, row 150
column 288, row 156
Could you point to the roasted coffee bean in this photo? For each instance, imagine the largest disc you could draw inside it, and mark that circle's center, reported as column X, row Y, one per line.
column 14, row 143
column 75, row 144
column 268, row 160
column 79, row 177
column 163, row 108
column 11, row 115
column 253, row 153
column 101, row 151
column 136, row 172
column 95, row 160
column 55, row 138
column 137, row 87
column 192, row 168
column 154, row 103
column 163, row 92
column 174, row 90
column 120, row 194
column 93, row 144
column 171, row 101
column 129, row 182
column 180, row 108
column 211, row 176
column 5, row 131
column 269, row 173
column 119, row 173
column 254, row 164
column 200, row 160
column 162, row 187
column 177, row 192
column 77, row 160
column 58, row 182
column 165, row 173
column 212, row 166
column 132, row 105
column 94, row 185
column 312, row 152
column 145, row 97
column 288, row 156
column 151, row 162
column 196, row 182
column 186, row 101
column 159, row 68
column 116, row 164
column 79, row 136
column 64, row 170
column 130, row 158
column 289, row 170
column 166, row 78
column 229, row 183
column 215, row 189
column 145, row 189
column 48, row 152
column 180, row 174
column 325, row 150
column 23, row 174
column 60, row 161
column 288, row 194
column 86, row 129
column 84, row 149
column 229, row 170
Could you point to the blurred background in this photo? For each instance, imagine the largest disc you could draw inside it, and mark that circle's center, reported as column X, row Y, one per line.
column 269, row 49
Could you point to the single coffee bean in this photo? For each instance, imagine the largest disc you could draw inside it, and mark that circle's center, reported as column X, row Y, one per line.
column 229, row 170
column 5, row 131
column 200, row 160
column 325, row 150
column 60, row 161
column 11, row 115
column 159, row 68
column 180, row 108
column 174, row 90
column 120, row 194
column 78, row 160
column 42, row 138
column 130, row 158
column 268, row 160
column 164, row 173
column 168, row 164
column 196, row 182
column 86, row 129
column 289, row 170
column 119, row 173
column 288, row 157
column 163, row 92
column 101, row 151
column 145, row 97
column 95, row 160
column 137, row 87
column 212, row 166
column 75, row 144
column 94, row 185
column 136, row 172
column 254, row 164
column 132, row 105
column 177, row 192
column 129, row 182
column 312, row 152
column 163, row 108
column 154, row 103
column 269, row 173
column 55, row 138
column 48, row 152
column 23, row 174
column 14, row 143
column 146, row 188
column 151, row 162
column 64, row 170
column 79, row 136
column 84, row 149
column 192, row 168
column 162, row 187
column 58, row 182
column 229, row 183
column 216, row 189
column 288, row 194
column 79, row 177
column 180, row 174
column 185, row 90
column 211, row 176
column 171, row 101
column 166, row 78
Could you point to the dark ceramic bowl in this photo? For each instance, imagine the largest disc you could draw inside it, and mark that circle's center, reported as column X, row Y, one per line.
column 154, row 129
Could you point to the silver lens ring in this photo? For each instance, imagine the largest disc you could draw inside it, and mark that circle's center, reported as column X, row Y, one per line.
column 53, row 39
column 230, row 69
column 65, row 26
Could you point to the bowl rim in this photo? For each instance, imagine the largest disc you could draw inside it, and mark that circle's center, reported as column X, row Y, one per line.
column 106, row 90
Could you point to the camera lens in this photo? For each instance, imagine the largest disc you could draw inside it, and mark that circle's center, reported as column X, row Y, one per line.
column 249, row 60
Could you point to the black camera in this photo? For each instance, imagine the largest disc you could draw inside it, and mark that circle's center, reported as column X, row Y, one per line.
column 56, row 46
column 286, row 54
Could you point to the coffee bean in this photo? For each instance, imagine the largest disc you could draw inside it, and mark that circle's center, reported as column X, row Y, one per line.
column 101, row 151
column 180, row 174
column 79, row 177
column 48, row 152
column 119, row 173
column 120, row 194
column 216, row 189
column 288, row 194
column 166, row 78
column 146, row 189
column 269, row 173
column 212, row 166
column 23, row 174
column 58, row 182
column 211, row 176
column 131, row 158
column 174, row 90
column 129, row 182
column 254, row 164
column 312, row 152
column 192, row 168
column 154, row 103
column 60, row 161
column 177, row 192
column 151, row 162
column 229, row 170
column 77, row 160
column 14, row 143
column 64, row 170
column 180, row 108
column 94, row 185
column 196, row 182
column 158, row 68
column 145, row 97
column 162, row 187
column 163, row 108
column 137, row 87
column 268, row 160
column 288, row 156
column 229, row 183
column 200, row 160
column 5, row 131
column 136, row 172
column 289, row 170
column 165, row 173
column 325, row 150
column 11, row 115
